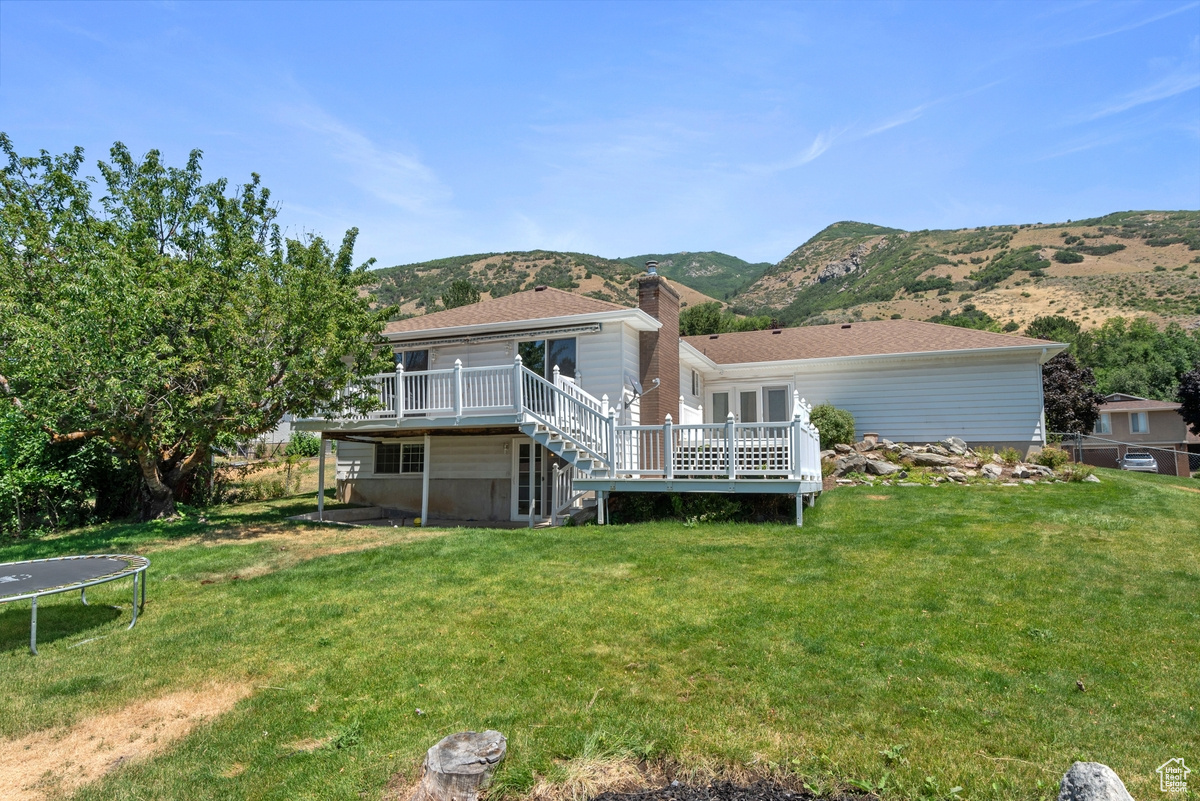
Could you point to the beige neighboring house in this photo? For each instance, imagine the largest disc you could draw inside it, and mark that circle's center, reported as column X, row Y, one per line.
column 1128, row 423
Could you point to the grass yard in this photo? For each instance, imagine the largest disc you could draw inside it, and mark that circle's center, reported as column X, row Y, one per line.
column 910, row 640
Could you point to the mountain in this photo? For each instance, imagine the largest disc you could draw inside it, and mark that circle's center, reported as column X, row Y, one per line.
column 1130, row 264
column 716, row 274
column 700, row 277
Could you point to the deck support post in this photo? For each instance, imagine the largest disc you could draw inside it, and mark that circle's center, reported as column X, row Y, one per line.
column 668, row 449
column 799, row 509
column 398, row 399
column 425, row 484
column 321, row 481
column 458, row 404
column 612, row 442
column 601, row 500
column 730, row 446
column 518, row 401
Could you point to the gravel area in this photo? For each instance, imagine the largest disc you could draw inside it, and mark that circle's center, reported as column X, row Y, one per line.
column 721, row 791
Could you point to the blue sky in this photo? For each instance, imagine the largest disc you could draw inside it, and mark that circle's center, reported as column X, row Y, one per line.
column 626, row 128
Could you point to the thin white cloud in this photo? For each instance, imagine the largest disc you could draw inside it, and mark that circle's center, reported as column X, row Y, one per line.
column 1176, row 83
column 396, row 177
column 1133, row 25
column 820, row 143
column 915, row 113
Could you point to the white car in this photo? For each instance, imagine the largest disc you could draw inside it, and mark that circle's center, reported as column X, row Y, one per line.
column 1139, row 461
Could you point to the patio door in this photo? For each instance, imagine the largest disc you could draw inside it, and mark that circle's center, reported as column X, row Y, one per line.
column 748, row 406
column 528, row 480
column 416, row 389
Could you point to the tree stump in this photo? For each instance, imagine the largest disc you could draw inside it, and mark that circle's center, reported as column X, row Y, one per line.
column 459, row 766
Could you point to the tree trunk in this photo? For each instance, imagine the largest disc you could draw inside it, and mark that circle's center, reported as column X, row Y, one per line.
column 459, row 766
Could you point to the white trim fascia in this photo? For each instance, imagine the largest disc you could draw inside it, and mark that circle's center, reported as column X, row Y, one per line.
column 635, row 318
column 804, row 365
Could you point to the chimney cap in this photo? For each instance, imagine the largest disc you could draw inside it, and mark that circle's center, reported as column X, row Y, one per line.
column 652, row 267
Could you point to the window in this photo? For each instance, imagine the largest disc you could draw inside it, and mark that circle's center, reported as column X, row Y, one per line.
column 1103, row 424
column 541, row 356
column 775, row 405
column 1138, row 423
column 414, row 360
column 695, row 384
column 397, row 457
column 720, row 406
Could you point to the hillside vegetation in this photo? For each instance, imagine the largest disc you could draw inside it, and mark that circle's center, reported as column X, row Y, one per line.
column 1128, row 263
column 417, row 288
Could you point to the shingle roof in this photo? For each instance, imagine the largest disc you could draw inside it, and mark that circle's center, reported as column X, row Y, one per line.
column 1140, row 405
column 533, row 304
column 855, row 339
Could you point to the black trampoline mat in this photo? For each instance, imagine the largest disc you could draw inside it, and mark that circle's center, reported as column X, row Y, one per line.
column 24, row 578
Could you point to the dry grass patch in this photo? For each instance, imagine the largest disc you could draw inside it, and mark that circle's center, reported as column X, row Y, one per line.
column 586, row 777
column 56, row 762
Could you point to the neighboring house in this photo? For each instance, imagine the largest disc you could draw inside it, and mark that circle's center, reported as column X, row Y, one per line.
column 515, row 407
column 1127, row 422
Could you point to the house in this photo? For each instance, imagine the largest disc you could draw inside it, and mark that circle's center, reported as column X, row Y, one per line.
column 1127, row 422
column 515, row 408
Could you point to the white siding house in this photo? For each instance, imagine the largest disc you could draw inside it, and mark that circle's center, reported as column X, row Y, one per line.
column 512, row 408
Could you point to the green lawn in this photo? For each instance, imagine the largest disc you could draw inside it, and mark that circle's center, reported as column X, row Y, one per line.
column 946, row 627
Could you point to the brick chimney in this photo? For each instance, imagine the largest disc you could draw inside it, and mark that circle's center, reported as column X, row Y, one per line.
column 658, row 351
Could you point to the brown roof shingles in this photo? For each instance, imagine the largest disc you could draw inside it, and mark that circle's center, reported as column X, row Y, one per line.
column 533, row 304
column 873, row 338
column 1140, row 405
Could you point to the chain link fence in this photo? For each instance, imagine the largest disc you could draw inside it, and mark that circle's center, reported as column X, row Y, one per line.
column 1102, row 452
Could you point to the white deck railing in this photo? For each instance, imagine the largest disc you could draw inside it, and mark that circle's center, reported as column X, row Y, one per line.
column 789, row 449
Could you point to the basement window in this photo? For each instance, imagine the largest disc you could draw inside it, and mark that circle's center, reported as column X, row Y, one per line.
column 395, row 457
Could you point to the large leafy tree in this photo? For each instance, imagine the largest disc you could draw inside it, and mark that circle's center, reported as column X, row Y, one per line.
column 1070, row 396
column 1188, row 395
column 167, row 313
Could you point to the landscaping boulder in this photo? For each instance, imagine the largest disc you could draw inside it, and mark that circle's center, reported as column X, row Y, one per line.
column 878, row 467
column 1021, row 471
column 1092, row 781
column 955, row 445
column 850, row 463
column 1092, row 480
column 841, row 447
column 991, row 470
column 829, row 454
column 931, row 460
column 939, row 450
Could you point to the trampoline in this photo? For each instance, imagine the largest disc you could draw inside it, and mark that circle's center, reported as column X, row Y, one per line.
column 37, row 577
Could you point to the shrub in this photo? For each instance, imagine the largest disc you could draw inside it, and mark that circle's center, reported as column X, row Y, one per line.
column 835, row 425
column 1054, row 458
column 985, row 453
column 1075, row 471
column 304, row 443
column 1068, row 257
column 1010, row 456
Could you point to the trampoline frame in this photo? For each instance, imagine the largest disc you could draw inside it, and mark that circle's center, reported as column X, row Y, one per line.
column 136, row 567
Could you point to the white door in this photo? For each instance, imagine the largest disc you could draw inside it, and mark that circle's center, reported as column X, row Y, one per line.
column 528, row 479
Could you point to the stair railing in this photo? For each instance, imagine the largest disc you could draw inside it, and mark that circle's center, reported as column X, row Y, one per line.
column 563, row 494
column 564, row 414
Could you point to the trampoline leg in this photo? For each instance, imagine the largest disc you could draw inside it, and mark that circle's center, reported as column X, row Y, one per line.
column 33, row 630
column 83, row 596
column 135, row 599
column 143, row 588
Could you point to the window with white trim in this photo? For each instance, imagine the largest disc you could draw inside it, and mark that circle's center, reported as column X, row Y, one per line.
column 1103, row 424
column 695, row 384
column 399, row 457
column 1139, row 423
